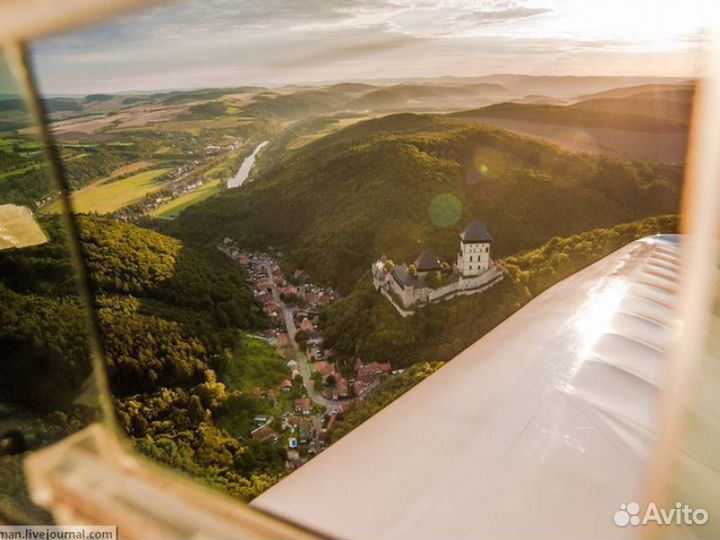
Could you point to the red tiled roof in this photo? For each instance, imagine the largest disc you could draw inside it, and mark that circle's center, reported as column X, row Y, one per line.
column 324, row 368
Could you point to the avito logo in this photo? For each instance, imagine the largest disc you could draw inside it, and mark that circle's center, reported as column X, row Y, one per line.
column 680, row 514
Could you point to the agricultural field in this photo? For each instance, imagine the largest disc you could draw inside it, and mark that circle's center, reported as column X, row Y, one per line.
column 106, row 196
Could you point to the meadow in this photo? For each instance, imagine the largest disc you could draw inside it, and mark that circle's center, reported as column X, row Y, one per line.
column 106, row 196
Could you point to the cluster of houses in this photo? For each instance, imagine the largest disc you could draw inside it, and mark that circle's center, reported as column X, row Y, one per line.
column 306, row 437
column 428, row 279
column 293, row 305
column 213, row 149
column 180, row 181
column 273, row 290
column 338, row 387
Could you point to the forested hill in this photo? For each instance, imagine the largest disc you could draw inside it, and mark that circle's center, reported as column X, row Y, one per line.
column 624, row 115
column 125, row 259
column 395, row 184
column 364, row 324
column 171, row 317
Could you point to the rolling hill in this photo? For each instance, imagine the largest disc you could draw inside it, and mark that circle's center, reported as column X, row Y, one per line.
column 428, row 96
column 585, row 113
column 566, row 86
column 638, row 127
column 364, row 324
column 676, row 92
column 170, row 317
column 667, row 102
column 395, row 184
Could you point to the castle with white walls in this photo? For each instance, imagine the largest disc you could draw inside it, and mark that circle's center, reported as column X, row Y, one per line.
column 429, row 280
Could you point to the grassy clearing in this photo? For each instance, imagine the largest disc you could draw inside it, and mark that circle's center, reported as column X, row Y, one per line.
column 130, row 168
column 257, row 366
column 106, row 196
column 174, row 207
column 121, row 143
column 260, row 366
column 23, row 170
column 163, row 150
column 75, row 157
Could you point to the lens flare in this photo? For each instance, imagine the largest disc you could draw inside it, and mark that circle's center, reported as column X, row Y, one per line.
column 490, row 163
column 445, row 210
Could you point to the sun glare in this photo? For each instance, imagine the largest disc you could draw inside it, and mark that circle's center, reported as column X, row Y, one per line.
column 646, row 22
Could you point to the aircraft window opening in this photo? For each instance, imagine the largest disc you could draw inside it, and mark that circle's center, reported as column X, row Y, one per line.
column 216, row 265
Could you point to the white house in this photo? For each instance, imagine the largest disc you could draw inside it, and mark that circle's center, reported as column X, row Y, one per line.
column 474, row 256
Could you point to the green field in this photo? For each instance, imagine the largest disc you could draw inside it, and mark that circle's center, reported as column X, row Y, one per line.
column 107, row 196
column 174, row 207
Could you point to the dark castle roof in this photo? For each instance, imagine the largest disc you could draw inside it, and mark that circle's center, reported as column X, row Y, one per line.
column 427, row 261
column 476, row 231
column 402, row 276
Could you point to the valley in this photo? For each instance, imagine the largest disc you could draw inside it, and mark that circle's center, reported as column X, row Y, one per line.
column 229, row 235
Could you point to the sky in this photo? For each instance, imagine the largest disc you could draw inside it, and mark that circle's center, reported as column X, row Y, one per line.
column 222, row 43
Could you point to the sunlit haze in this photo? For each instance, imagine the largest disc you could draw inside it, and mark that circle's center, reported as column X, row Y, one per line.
column 204, row 43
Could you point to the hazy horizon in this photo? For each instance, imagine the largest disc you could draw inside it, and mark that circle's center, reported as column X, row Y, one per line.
column 226, row 43
column 380, row 82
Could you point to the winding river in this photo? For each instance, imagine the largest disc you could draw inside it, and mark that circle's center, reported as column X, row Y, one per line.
column 246, row 167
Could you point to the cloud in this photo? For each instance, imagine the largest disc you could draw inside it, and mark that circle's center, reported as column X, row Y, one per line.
column 503, row 15
column 351, row 44
column 231, row 42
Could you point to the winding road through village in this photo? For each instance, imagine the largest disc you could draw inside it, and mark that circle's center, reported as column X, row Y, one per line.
column 300, row 357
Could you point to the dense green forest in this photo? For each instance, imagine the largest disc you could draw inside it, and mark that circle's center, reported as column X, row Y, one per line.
column 393, row 185
column 171, row 317
column 25, row 179
column 365, row 325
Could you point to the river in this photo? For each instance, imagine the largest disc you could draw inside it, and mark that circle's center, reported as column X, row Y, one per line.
column 246, row 167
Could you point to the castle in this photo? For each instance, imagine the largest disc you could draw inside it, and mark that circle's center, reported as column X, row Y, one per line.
column 429, row 280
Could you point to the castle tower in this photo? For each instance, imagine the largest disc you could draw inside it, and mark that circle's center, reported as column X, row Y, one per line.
column 474, row 256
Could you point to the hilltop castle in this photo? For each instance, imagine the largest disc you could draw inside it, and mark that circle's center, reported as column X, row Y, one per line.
column 429, row 280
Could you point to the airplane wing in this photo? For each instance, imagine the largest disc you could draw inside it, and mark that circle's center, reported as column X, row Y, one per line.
column 542, row 428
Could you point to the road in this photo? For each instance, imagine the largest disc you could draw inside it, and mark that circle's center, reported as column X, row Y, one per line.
column 300, row 357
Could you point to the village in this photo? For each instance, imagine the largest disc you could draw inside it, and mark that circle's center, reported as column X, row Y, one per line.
column 315, row 395
column 185, row 178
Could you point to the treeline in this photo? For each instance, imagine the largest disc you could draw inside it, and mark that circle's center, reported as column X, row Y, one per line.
column 365, row 325
column 559, row 258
